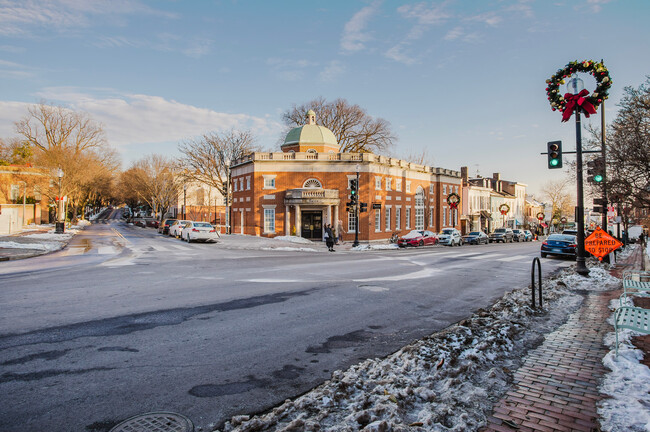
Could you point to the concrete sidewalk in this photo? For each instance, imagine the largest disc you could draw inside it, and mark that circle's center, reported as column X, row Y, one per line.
column 557, row 387
column 32, row 246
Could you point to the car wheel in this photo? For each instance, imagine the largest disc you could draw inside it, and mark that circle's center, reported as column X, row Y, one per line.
column 543, row 255
column 421, row 243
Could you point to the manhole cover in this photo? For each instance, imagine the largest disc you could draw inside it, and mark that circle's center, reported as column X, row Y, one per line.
column 155, row 422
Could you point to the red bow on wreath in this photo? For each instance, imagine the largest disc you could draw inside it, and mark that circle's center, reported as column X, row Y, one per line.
column 572, row 100
column 453, row 205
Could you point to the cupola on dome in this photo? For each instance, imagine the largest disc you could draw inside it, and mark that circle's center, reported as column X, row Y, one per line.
column 310, row 136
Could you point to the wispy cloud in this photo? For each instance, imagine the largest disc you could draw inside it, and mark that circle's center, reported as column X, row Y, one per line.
column 454, row 34
column 332, row 71
column 290, row 70
column 133, row 119
column 424, row 17
column 596, row 5
column 22, row 17
column 490, row 18
column 354, row 33
column 15, row 70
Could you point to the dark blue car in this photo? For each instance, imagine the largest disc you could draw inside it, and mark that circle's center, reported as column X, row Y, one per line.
column 560, row 244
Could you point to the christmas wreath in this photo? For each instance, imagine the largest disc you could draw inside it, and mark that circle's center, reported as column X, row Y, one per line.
column 453, row 199
column 567, row 104
column 504, row 209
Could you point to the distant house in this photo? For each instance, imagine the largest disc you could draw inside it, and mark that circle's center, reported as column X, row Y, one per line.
column 17, row 181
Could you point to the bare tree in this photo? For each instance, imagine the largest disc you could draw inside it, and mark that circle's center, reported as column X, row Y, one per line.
column 204, row 159
column 72, row 141
column 156, row 180
column 562, row 201
column 354, row 129
column 15, row 151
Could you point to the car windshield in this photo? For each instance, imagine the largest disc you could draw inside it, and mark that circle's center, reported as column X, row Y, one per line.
column 447, row 231
column 202, row 225
column 500, row 230
column 474, row 233
column 562, row 237
column 413, row 234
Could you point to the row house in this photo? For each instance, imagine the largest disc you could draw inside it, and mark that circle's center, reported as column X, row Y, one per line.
column 16, row 182
column 306, row 186
column 484, row 199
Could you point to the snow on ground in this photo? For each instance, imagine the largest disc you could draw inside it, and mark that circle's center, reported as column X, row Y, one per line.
column 628, row 381
column 445, row 382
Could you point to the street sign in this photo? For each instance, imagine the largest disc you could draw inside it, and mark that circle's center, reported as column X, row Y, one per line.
column 599, row 243
column 376, row 206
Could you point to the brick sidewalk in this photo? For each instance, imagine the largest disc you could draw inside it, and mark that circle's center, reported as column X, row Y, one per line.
column 556, row 389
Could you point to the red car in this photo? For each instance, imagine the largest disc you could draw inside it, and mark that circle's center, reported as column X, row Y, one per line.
column 418, row 238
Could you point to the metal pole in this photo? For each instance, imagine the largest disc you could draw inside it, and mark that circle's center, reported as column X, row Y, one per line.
column 184, row 191
column 604, row 156
column 228, row 199
column 356, row 215
column 24, row 202
column 581, row 267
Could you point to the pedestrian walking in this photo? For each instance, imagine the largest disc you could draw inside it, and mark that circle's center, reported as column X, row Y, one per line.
column 339, row 231
column 329, row 237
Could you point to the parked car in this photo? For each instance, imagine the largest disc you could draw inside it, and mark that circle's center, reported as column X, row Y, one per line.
column 450, row 237
column 559, row 244
column 528, row 235
column 176, row 228
column 503, row 235
column 199, row 231
column 518, row 235
column 476, row 237
column 163, row 228
column 152, row 223
column 417, row 238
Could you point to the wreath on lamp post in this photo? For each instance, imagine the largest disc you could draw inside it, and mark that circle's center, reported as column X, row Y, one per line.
column 588, row 103
column 504, row 209
column 453, row 199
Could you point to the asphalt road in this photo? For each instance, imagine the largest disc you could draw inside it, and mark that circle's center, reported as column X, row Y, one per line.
column 124, row 322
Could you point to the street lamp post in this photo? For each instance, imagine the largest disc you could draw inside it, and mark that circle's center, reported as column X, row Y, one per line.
column 227, row 162
column 184, row 196
column 575, row 86
column 60, row 221
column 356, row 212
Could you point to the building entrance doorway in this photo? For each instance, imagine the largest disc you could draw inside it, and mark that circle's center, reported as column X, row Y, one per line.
column 312, row 224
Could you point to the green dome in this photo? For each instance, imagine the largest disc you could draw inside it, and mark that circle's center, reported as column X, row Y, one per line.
column 311, row 134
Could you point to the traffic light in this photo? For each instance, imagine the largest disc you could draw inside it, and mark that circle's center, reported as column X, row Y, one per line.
column 363, row 207
column 349, row 207
column 596, row 170
column 354, row 191
column 600, row 205
column 554, row 150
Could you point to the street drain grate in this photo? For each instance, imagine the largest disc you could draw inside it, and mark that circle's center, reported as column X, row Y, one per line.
column 155, row 422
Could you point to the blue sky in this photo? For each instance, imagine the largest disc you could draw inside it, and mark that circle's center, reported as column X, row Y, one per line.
column 462, row 80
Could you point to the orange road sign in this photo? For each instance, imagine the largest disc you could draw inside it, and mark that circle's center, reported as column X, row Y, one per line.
column 599, row 243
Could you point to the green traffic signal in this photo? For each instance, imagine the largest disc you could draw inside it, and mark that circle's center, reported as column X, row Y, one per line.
column 554, row 152
column 554, row 162
column 598, row 178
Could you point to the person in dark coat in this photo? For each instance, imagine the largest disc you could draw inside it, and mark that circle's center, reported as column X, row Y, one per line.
column 329, row 237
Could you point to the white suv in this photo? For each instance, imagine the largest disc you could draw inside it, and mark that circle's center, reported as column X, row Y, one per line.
column 450, row 237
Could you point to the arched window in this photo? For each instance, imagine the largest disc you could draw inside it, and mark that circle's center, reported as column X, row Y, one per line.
column 312, row 183
column 419, row 208
column 311, row 151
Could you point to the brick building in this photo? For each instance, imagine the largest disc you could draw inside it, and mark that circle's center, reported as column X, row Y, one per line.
column 306, row 185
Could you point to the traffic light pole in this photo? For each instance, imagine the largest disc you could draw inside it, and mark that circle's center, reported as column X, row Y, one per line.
column 356, row 215
column 604, row 156
column 581, row 266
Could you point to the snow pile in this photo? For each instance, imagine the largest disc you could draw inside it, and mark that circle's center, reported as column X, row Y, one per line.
column 293, row 239
column 49, row 246
column 445, row 382
column 290, row 249
column 627, row 383
column 599, row 280
column 365, row 247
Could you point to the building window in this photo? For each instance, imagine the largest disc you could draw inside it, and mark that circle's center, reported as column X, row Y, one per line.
column 456, row 217
column 431, row 188
column 456, row 189
column 269, row 220
column 387, row 218
column 407, row 222
column 388, row 183
column 312, row 183
column 234, row 185
column 398, row 185
column 241, row 183
column 15, row 192
column 444, row 189
column 430, row 217
column 248, row 183
column 352, row 222
column 377, row 183
column 377, row 220
column 419, row 209
column 398, row 218
column 444, row 216
column 269, row 182
column 408, row 186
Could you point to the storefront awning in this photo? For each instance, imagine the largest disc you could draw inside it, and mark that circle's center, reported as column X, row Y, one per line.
column 485, row 214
